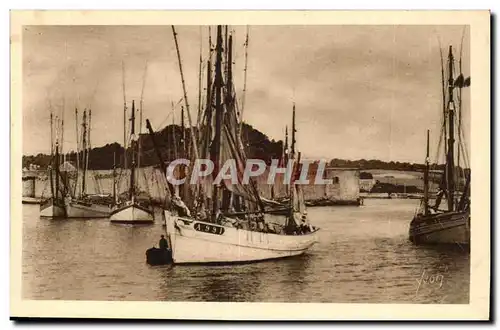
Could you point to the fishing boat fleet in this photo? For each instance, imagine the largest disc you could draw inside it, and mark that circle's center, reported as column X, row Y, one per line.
column 213, row 211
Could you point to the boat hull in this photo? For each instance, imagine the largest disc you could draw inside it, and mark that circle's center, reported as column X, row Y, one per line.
column 443, row 228
column 77, row 209
column 49, row 209
column 201, row 242
column 31, row 200
column 132, row 214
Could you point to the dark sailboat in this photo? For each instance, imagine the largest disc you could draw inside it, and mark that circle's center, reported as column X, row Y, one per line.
column 53, row 207
column 432, row 225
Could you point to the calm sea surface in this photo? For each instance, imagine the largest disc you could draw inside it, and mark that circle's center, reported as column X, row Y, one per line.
column 363, row 256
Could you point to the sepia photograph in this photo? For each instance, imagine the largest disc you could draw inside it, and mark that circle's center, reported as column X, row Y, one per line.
column 320, row 159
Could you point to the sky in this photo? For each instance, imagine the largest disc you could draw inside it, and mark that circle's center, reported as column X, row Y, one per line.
column 360, row 91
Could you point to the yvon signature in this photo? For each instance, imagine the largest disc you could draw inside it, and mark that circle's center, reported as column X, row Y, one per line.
column 435, row 280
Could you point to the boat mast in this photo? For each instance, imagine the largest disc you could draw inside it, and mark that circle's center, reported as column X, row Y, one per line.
column 174, row 140
column 193, row 138
column 182, row 192
column 292, row 157
column 132, row 142
column 84, row 149
column 51, row 133
column 89, row 144
column 285, row 156
column 124, row 119
column 62, row 135
column 426, row 179
column 443, row 92
column 451, row 140
column 228, row 101
column 57, row 171
column 215, row 151
column 198, row 119
column 209, row 104
column 460, row 85
column 77, row 151
column 160, row 158
column 52, row 152
column 183, row 134
column 139, row 141
column 243, row 97
column 229, row 97
column 114, row 178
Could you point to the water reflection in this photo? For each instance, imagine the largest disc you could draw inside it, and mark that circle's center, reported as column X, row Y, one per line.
column 363, row 256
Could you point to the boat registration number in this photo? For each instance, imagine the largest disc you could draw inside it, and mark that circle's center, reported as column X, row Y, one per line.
column 208, row 228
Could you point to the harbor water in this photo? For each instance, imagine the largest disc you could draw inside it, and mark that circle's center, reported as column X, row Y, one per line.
column 363, row 255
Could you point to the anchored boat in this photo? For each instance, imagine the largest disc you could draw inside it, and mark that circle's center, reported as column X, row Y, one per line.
column 433, row 225
column 53, row 207
column 132, row 211
column 227, row 222
column 80, row 204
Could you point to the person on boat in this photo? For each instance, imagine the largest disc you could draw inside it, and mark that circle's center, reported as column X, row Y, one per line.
column 304, row 227
column 163, row 243
column 439, row 196
column 181, row 207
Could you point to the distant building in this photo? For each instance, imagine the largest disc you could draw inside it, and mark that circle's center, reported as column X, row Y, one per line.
column 344, row 189
column 365, row 185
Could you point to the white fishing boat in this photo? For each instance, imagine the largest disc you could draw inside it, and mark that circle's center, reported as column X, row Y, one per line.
column 132, row 211
column 233, row 227
column 432, row 225
column 194, row 241
column 80, row 208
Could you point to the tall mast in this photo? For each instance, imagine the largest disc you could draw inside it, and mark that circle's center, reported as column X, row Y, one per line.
column 183, row 135
column 426, row 179
column 51, row 133
column 174, row 140
column 226, row 62
column 199, row 81
column 443, row 92
column 229, row 50
column 139, row 141
column 62, row 132
column 285, row 146
column 89, row 144
column 193, row 139
column 77, row 151
column 285, row 155
column 208, row 103
column 451, row 139
column 243, row 97
column 460, row 103
column 124, row 118
column 292, row 156
column 52, row 152
column 218, row 120
column 57, row 171
column 292, row 148
column 114, row 177
column 84, row 149
column 132, row 167
column 183, row 154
